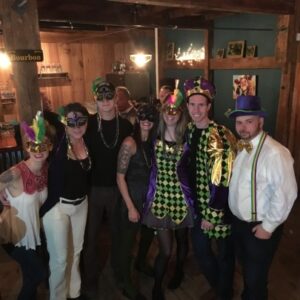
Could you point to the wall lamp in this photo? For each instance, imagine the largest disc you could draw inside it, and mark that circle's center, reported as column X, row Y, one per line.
column 140, row 59
column 4, row 59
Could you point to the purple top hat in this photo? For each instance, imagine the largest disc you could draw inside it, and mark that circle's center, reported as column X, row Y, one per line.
column 246, row 106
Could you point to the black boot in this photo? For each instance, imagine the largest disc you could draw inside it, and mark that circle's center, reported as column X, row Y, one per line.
column 176, row 280
column 158, row 294
column 144, row 268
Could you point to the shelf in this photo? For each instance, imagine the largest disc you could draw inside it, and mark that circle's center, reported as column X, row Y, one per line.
column 175, row 65
column 8, row 101
column 267, row 62
column 53, row 75
column 54, row 79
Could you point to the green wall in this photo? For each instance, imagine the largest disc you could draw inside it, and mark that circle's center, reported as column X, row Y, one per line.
column 259, row 30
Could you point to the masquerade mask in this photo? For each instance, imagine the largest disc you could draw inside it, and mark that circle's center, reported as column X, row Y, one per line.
column 146, row 112
column 172, row 111
column 107, row 96
column 35, row 134
column 103, row 89
column 76, row 121
column 38, row 148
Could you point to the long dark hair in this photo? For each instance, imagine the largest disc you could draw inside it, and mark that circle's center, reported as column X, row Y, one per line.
column 146, row 109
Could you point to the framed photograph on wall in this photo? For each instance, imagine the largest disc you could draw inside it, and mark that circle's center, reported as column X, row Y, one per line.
column 250, row 51
column 170, row 51
column 244, row 85
column 220, row 53
column 235, row 49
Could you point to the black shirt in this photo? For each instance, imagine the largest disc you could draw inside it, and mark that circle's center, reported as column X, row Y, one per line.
column 104, row 159
column 75, row 179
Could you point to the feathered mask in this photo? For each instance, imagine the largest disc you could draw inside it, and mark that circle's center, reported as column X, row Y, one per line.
column 76, row 120
column 36, row 134
column 174, row 102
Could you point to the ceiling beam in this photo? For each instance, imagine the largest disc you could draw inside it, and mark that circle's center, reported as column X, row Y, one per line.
column 124, row 18
column 241, row 6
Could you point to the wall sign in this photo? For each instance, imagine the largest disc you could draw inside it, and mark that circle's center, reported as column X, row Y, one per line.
column 25, row 55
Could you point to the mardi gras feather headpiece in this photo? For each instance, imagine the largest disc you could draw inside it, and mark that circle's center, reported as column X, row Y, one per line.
column 199, row 86
column 61, row 115
column 174, row 102
column 36, row 132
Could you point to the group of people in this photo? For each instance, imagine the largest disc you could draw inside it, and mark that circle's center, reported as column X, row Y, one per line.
column 168, row 172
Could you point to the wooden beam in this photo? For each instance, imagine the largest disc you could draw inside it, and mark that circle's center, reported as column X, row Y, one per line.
column 21, row 31
column 294, row 128
column 126, row 19
column 284, row 54
column 245, row 6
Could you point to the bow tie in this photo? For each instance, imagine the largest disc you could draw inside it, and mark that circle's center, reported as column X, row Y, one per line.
column 242, row 144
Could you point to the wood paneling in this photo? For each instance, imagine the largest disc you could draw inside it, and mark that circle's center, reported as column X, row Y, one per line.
column 20, row 31
column 83, row 61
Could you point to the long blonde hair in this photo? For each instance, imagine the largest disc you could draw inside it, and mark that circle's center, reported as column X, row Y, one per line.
column 179, row 129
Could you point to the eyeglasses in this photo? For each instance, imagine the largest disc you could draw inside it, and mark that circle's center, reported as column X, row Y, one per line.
column 106, row 96
column 38, row 148
column 76, row 122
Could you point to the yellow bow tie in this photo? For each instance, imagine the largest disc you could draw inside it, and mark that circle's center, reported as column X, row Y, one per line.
column 242, row 144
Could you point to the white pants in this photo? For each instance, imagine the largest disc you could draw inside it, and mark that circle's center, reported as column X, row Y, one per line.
column 64, row 227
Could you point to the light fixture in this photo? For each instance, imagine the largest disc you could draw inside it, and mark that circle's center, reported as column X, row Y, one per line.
column 190, row 56
column 4, row 60
column 140, row 59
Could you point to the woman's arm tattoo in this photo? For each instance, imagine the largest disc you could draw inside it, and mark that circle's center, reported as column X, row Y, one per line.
column 8, row 176
column 123, row 159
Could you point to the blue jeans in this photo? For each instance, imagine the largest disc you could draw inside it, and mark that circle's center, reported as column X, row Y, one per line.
column 256, row 256
column 218, row 268
column 32, row 267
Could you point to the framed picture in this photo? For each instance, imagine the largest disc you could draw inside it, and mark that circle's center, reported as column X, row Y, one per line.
column 244, row 85
column 235, row 49
column 250, row 51
column 220, row 53
column 170, row 52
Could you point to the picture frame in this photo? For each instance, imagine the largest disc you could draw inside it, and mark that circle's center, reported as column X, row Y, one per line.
column 235, row 49
column 244, row 84
column 220, row 53
column 251, row 51
column 170, row 51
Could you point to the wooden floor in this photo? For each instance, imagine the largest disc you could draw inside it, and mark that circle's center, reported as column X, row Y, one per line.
column 284, row 276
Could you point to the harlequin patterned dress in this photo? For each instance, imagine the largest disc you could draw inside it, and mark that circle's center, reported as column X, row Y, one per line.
column 170, row 205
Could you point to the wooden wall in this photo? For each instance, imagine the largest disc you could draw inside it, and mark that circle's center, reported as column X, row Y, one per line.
column 84, row 56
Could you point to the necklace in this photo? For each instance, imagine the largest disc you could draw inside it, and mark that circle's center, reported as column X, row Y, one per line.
column 148, row 163
column 114, row 143
column 85, row 166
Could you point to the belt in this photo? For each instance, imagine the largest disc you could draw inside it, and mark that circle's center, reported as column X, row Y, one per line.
column 72, row 202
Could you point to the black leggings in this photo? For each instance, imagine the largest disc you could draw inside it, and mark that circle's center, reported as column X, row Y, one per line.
column 165, row 240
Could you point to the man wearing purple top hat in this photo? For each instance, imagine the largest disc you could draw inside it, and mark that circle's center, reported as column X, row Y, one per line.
column 212, row 153
column 262, row 191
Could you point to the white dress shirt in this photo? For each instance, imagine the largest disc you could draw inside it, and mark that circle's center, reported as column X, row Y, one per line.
column 276, row 187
